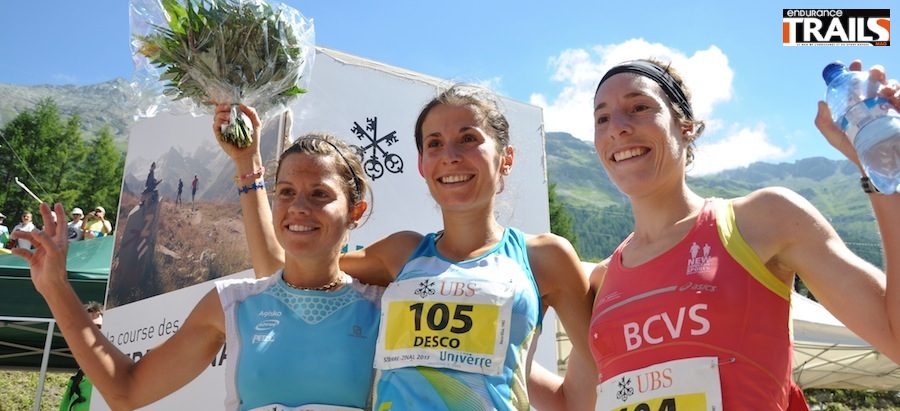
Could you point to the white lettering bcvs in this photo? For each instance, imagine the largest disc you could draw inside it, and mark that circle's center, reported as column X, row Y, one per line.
column 637, row 334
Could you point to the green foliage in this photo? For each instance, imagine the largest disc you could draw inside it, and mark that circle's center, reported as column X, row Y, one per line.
column 100, row 175
column 227, row 51
column 579, row 177
column 243, row 45
column 602, row 218
column 37, row 144
column 18, row 388
column 560, row 220
column 48, row 154
column 600, row 230
column 840, row 399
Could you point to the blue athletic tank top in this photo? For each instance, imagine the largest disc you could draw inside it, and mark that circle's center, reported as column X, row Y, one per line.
column 294, row 347
column 459, row 335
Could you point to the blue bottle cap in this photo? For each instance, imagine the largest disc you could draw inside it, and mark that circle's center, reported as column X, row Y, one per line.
column 833, row 70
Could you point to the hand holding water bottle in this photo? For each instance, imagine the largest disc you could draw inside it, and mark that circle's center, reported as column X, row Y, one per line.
column 864, row 121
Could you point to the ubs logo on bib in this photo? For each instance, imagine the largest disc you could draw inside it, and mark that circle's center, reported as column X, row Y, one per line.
column 425, row 289
column 625, row 389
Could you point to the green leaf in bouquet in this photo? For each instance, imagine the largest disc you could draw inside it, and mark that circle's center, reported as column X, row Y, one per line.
column 238, row 131
column 177, row 14
column 223, row 51
column 293, row 91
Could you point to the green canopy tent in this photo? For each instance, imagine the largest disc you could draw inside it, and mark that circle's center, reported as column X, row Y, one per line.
column 25, row 318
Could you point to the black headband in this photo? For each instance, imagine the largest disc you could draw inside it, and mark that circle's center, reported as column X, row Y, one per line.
column 660, row 76
column 356, row 182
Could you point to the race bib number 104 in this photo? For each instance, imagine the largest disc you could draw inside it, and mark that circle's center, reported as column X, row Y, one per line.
column 688, row 384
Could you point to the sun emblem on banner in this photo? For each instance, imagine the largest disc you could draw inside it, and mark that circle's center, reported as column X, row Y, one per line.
column 379, row 160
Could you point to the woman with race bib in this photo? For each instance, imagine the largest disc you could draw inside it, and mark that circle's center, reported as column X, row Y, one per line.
column 462, row 310
column 693, row 308
column 295, row 340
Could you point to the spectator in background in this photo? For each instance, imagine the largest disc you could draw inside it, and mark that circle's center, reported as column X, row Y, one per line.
column 96, row 224
column 26, row 225
column 77, row 396
column 4, row 232
column 75, row 231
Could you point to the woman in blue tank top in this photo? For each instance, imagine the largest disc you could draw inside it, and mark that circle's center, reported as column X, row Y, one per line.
column 462, row 311
column 275, row 340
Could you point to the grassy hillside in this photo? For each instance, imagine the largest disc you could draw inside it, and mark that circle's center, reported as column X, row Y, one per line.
column 602, row 218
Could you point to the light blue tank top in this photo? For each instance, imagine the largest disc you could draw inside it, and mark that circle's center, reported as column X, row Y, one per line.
column 292, row 347
column 459, row 335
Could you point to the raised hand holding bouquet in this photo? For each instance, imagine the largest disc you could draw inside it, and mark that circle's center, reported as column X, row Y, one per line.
column 191, row 55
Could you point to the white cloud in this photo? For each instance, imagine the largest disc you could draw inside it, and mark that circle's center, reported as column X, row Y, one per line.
column 707, row 74
column 741, row 147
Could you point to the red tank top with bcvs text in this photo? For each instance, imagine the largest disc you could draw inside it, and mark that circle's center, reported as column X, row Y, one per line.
column 708, row 296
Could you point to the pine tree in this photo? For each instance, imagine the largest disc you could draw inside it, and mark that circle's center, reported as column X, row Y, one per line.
column 101, row 174
column 560, row 220
column 36, row 148
column 49, row 156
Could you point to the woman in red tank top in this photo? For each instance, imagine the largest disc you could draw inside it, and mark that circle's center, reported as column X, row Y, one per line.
column 660, row 331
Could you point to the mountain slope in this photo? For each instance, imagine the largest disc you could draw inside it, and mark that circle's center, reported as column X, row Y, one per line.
column 603, row 218
column 98, row 105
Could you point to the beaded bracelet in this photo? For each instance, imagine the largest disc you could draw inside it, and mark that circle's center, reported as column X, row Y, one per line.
column 256, row 174
column 255, row 186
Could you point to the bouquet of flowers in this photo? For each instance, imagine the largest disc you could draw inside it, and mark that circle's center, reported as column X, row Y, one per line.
column 207, row 52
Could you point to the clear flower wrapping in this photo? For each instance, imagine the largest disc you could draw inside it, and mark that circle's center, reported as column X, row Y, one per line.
column 190, row 55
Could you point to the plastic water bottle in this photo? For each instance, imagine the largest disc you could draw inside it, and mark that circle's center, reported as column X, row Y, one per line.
column 871, row 123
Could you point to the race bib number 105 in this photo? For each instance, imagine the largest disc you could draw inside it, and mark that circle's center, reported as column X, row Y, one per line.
column 443, row 325
column 467, row 334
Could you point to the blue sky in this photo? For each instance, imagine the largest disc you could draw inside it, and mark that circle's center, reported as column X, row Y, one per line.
column 757, row 96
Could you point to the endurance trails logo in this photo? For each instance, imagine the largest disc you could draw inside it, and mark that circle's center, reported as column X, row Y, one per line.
column 836, row 27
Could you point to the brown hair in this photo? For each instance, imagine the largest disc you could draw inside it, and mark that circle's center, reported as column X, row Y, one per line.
column 482, row 102
column 683, row 118
column 346, row 160
column 93, row 307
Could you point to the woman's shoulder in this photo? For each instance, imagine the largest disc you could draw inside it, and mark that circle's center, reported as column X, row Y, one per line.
column 401, row 242
column 550, row 253
column 246, row 284
column 772, row 201
column 548, row 243
column 771, row 218
column 370, row 292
